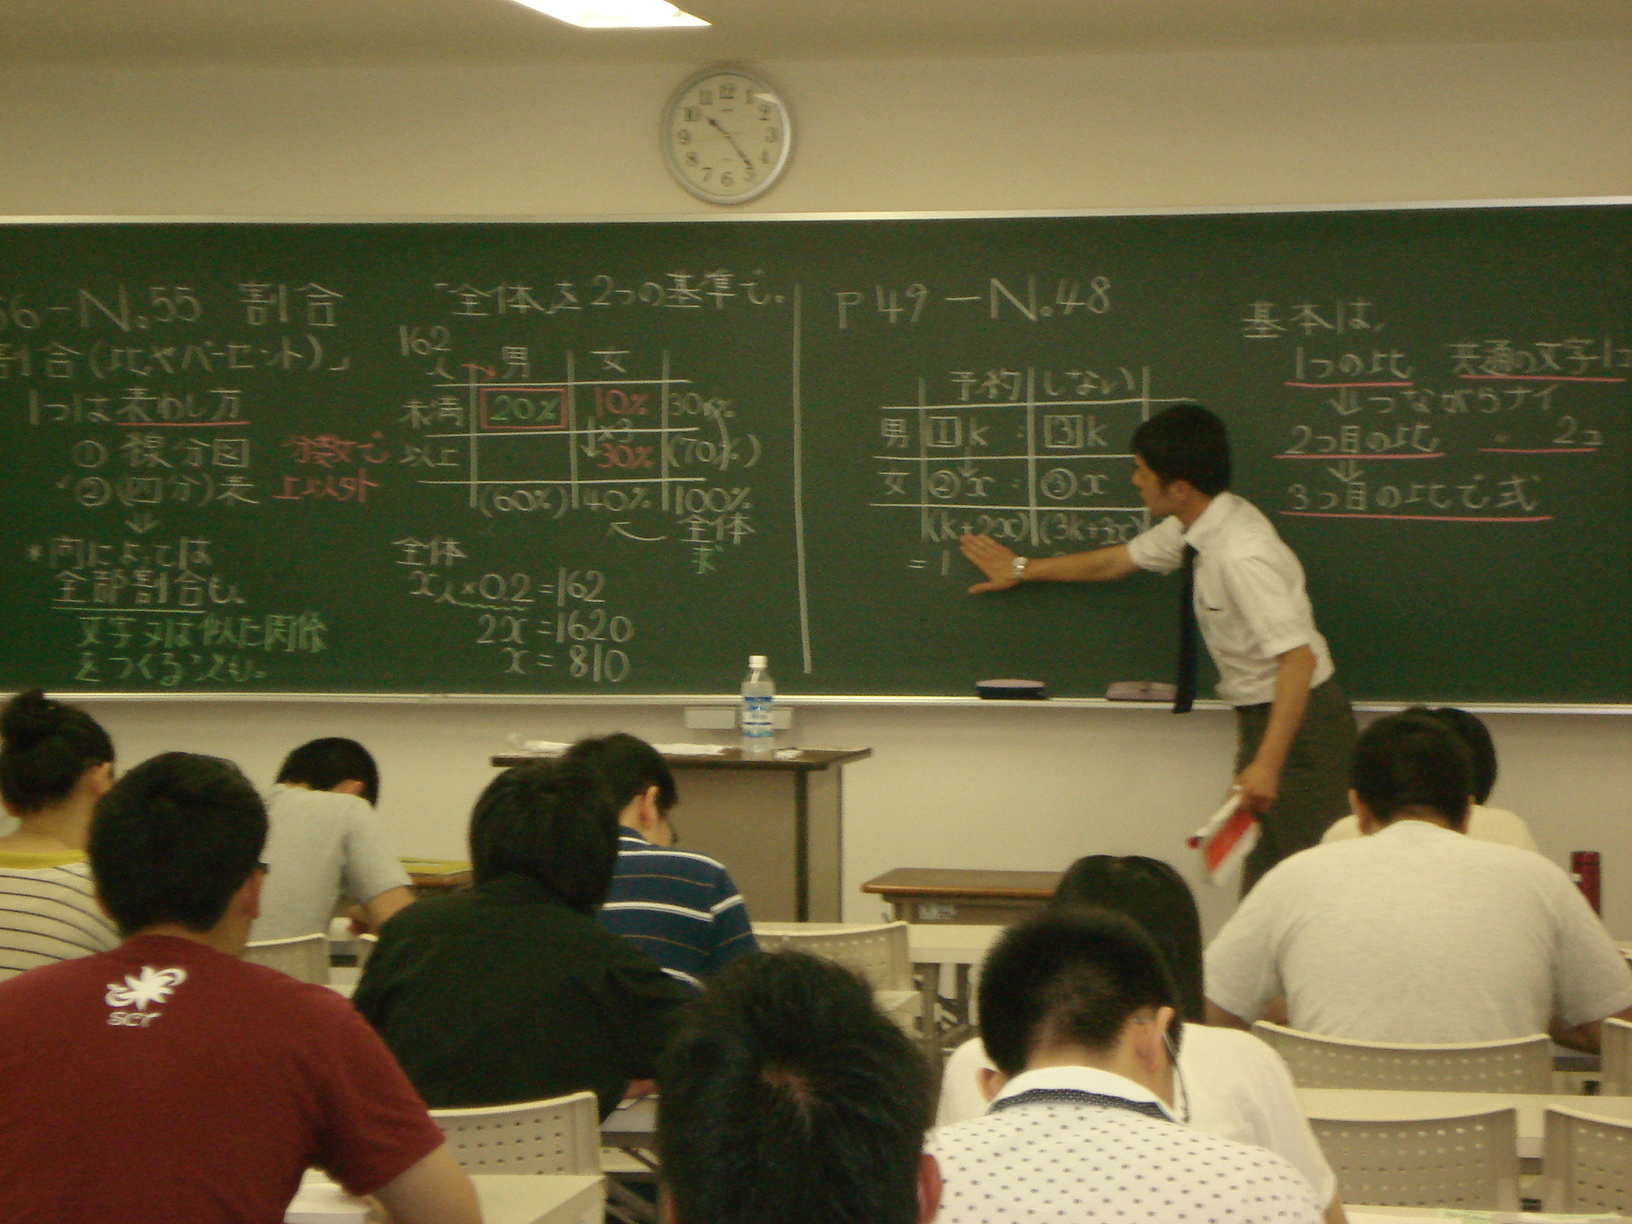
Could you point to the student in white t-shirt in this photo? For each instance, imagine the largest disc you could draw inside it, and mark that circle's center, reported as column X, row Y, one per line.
column 325, row 844
column 1416, row 932
column 1229, row 1083
column 1484, row 823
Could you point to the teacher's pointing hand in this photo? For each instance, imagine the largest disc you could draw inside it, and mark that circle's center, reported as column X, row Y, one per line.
column 992, row 559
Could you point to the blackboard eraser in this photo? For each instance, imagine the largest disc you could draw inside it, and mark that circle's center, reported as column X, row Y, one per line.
column 1011, row 690
column 1141, row 690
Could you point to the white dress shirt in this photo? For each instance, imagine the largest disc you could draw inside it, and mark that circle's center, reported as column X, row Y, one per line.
column 1250, row 599
column 1077, row 1145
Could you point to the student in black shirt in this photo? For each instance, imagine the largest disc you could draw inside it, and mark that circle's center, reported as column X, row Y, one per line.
column 512, row 991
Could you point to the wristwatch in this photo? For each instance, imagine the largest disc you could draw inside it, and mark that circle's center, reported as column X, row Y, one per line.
column 1017, row 568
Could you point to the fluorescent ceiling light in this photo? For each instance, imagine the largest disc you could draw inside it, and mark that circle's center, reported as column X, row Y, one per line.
column 615, row 14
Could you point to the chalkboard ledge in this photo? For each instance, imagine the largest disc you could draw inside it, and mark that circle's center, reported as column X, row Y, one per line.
column 789, row 699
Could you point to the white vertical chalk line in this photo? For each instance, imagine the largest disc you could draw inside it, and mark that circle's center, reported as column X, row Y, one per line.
column 799, row 477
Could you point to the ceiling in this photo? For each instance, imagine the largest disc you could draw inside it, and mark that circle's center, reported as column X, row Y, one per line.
column 504, row 32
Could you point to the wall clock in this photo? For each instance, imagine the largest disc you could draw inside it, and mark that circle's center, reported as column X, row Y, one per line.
column 726, row 135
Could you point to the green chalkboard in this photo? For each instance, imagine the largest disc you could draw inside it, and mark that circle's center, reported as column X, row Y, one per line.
column 617, row 457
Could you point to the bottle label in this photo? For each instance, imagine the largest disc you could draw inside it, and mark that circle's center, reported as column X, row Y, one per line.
column 756, row 717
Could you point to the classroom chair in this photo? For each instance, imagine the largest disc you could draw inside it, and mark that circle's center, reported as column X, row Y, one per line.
column 1522, row 1064
column 1470, row 1161
column 880, row 954
column 1586, row 1163
column 1615, row 1067
column 556, row 1135
column 304, row 957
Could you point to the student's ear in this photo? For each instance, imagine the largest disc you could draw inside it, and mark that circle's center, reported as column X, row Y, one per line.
column 929, row 1188
column 1362, row 813
column 99, row 779
column 991, row 1082
column 248, row 897
column 665, row 1206
column 351, row 786
column 1150, row 1040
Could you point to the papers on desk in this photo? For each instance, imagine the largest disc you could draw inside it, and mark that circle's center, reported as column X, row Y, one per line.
column 435, row 867
column 320, row 1201
column 557, row 747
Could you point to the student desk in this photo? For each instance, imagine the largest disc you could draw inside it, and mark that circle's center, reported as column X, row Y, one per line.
column 776, row 822
column 506, row 1198
column 937, row 894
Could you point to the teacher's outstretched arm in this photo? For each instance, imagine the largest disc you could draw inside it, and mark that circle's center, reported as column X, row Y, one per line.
column 997, row 562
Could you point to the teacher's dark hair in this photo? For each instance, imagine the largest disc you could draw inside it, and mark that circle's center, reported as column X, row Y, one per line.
column 1186, row 442
column 173, row 840
column 1071, row 975
column 552, row 822
column 1155, row 896
column 1412, row 760
column 630, row 766
column 45, row 748
column 788, row 1098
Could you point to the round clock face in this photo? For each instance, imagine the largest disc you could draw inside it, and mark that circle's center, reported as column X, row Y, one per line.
column 725, row 136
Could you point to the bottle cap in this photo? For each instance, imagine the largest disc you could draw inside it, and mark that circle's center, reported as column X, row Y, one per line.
column 759, row 661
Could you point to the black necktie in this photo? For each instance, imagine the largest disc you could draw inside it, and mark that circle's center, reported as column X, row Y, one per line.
column 1184, row 695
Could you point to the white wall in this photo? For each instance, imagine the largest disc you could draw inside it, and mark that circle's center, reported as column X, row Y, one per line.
column 1018, row 788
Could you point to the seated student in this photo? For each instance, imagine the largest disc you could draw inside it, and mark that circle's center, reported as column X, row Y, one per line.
column 789, row 1099
column 1229, row 1083
column 680, row 907
column 1416, row 932
column 327, row 844
column 1078, row 1015
column 1484, row 823
column 55, row 763
column 170, row 1080
column 511, row 991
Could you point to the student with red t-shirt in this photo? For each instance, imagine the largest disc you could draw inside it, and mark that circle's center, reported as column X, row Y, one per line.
column 168, row 1080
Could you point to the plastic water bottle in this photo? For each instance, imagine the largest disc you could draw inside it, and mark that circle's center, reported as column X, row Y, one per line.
column 758, row 696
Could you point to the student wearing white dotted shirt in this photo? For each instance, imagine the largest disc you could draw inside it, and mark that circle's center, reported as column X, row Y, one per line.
column 1228, row 1083
column 1077, row 1013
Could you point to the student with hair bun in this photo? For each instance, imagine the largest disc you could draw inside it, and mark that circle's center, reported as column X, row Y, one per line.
column 55, row 763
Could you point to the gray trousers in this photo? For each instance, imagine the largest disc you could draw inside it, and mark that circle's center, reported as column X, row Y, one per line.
column 1314, row 790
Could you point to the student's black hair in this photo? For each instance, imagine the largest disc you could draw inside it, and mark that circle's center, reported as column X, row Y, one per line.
column 1475, row 737
column 1155, row 896
column 45, row 748
column 630, row 766
column 173, row 840
column 1072, row 974
column 553, row 822
column 789, row 1099
column 1412, row 760
column 323, row 764
column 1186, row 442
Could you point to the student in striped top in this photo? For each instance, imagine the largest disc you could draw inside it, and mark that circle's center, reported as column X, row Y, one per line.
column 55, row 763
column 679, row 906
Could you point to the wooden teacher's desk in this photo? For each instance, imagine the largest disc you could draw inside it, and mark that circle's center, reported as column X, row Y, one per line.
column 776, row 822
column 966, row 897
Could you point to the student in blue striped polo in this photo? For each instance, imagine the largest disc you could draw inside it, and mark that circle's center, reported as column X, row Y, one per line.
column 679, row 906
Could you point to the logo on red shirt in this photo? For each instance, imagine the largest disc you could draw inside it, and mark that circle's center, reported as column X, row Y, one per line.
column 142, row 990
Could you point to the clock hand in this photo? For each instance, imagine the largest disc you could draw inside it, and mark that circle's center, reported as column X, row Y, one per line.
column 745, row 158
